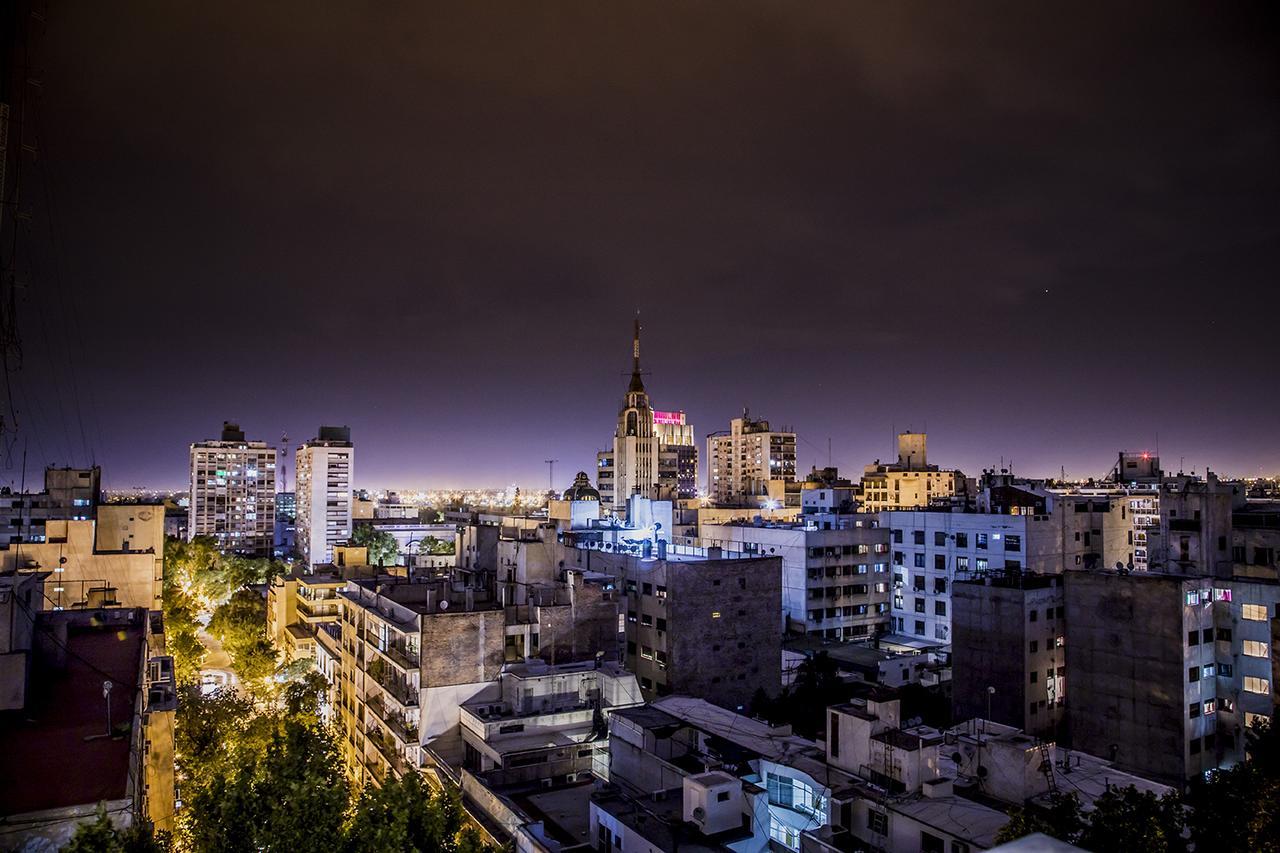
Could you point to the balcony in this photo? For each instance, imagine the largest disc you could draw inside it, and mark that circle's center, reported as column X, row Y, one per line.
column 394, row 721
column 382, row 743
column 397, row 652
column 396, row 688
column 317, row 610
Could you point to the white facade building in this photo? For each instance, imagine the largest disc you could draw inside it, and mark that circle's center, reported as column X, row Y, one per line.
column 325, row 470
column 742, row 462
column 233, row 493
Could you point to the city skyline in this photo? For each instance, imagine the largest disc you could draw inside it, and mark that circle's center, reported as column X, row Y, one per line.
column 1023, row 239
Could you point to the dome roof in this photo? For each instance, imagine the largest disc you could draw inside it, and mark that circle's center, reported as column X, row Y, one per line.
column 581, row 489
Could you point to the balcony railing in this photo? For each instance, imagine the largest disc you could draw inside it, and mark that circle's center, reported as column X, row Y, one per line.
column 401, row 656
column 394, row 721
column 394, row 687
column 386, row 749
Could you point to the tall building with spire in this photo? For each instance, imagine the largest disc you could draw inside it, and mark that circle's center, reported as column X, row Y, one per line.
column 635, row 465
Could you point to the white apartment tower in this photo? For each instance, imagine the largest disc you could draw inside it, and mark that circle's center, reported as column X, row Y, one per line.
column 743, row 461
column 324, row 470
column 233, row 493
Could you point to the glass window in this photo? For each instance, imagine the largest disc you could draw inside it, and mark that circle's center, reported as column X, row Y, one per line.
column 1254, row 648
column 1254, row 612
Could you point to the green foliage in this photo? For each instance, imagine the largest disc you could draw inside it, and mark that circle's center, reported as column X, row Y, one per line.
column 804, row 704
column 258, row 778
column 102, row 836
column 433, row 547
column 1123, row 820
column 1238, row 810
column 241, row 626
column 403, row 814
column 383, row 548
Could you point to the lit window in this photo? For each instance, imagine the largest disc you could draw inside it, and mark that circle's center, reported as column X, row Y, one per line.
column 1220, row 594
column 1254, row 612
column 1256, row 685
column 1254, row 648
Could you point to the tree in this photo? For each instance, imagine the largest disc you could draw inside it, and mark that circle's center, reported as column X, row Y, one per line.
column 1126, row 820
column 102, row 836
column 1237, row 810
column 432, row 547
column 403, row 814
column 1123, row 820
column 384, row 550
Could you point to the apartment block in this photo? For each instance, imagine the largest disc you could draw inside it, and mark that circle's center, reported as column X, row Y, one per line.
column 1008, row 652
column 911, row 482
column 931, row 549
column 693, row 623
column 835, row 571
column 745, row 460
column 325, row 472
column 69, row 494
column 1143, row 659
column 233, row 493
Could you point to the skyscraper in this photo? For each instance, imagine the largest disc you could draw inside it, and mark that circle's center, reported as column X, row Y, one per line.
column 653, row 453
column 233, row 493
column 324, row 471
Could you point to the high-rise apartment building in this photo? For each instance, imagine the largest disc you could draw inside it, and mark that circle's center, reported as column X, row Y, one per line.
column 233, row 493
column 742, row 462
column 325, row 470
column 910, row 482
column 653, row 453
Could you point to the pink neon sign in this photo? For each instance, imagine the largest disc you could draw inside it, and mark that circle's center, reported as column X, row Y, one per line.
column 668, row 417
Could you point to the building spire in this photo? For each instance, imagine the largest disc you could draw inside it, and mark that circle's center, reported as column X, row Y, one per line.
column 637, row 384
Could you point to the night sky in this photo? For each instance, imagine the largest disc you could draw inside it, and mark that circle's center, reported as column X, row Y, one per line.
column 1043, row 234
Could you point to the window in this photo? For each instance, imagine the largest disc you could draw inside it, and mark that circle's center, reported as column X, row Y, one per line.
column 1035, row 615
column 1220, row 594
column 1013, row 543
column 962, row 564
column 939, row 608
column 919, row 628
column 917, row 536
column 939, row 585
column 1193, row 597
column 794, row 794
column 1254, row 648
column 1033, row 677
column 1193, row 710
column 784, row 834
column 877, row 822
column 919, row 605
column 1193, row 674
column 646, row 589
column 1207, row 671
column 1209, row 707
column 1254, row 612
column 930, row 843
column 1226, row 670
column 939, row 538
column 1195, row 746
column 1193, row 638
column 1208, row 635
column 962, row 540
column 1224, row 635
column 981, row 543
column 919, row 561
column 940, row 562
column 1035, row 646
column 981, row 564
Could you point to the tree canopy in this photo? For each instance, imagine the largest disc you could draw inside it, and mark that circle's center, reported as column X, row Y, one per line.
column 383, row 547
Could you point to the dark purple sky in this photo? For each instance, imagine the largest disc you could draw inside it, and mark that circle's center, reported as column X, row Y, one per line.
column 1046, row 234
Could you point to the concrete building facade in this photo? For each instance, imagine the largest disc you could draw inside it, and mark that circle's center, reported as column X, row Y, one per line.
column 233, row 493
column 835, row 573
column 1008, row 646
column 743, row 462
column 325, row 472
column 909, row 483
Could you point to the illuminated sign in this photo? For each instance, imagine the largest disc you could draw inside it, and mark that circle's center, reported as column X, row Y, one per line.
column 668, row 418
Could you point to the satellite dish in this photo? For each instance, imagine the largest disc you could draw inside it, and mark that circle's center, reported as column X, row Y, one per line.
column 699, row 814
column 444, row 604
column 956, row 757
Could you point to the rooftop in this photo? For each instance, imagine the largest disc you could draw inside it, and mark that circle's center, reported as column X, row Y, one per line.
column 965, row 819
column 775, row 743
column 64, row 723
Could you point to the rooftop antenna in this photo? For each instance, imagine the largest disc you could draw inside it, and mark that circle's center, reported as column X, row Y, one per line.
column 284, row 465
column 551, row 474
